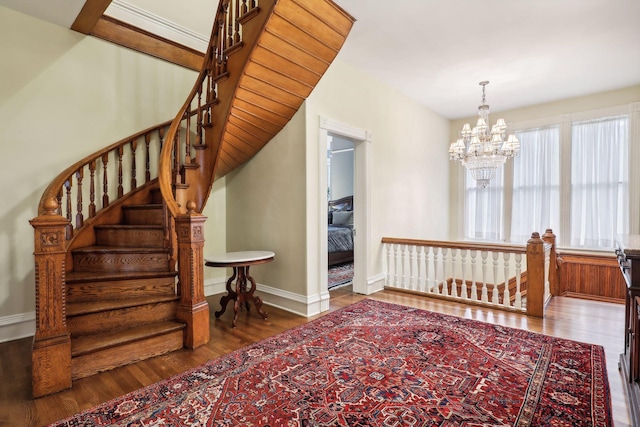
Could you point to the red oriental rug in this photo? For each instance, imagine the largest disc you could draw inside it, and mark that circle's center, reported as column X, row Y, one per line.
column 380, row 364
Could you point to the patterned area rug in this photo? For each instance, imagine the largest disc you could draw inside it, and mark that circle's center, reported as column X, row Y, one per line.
column 340, row 274
column 380, row 364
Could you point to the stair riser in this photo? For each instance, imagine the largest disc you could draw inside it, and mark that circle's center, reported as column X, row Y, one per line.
column 104, row 360
column 78, row 292
column 143, row 216
column 142, row 238
column 112, row 320
column 120, row 262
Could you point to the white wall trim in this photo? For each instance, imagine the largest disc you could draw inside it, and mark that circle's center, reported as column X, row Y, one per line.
column 126, row 12
column 17, row 326
column 376, row 283
column 362, row 198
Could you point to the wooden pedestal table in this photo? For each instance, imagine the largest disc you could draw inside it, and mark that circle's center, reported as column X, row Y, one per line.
column 240, row 262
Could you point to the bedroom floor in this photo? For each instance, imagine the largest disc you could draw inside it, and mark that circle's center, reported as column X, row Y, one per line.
column 340, row 275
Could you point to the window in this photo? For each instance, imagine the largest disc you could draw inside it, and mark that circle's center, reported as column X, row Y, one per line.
column 589, row 156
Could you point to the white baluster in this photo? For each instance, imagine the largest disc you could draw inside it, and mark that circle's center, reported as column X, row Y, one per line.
column 389, row 257
column 485, row 296
column 454, row 276
column 421, row 269
column 436, row 270
column 413, row 267
column 398, row 266
column 518, row 301
column 494, row 296
column 506, row 294
column 405, row 268
column 445, row 285
column 463, row 256
column 428, row 282
column 474, row 266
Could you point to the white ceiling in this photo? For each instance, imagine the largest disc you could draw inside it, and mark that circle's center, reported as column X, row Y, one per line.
column 437, row 51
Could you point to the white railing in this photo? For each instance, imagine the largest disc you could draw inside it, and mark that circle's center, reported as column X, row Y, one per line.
column 484, row 274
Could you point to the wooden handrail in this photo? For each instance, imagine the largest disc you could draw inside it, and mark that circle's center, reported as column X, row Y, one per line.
column 457, row 245
column 97, row 165
column 180, row 153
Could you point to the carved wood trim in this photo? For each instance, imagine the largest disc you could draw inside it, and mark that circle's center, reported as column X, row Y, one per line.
column 135, row 38
column 90, row 14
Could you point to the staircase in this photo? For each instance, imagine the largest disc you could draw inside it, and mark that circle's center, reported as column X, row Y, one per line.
column 119, row 235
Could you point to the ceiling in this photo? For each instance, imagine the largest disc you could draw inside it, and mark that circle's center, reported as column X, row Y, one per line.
column 437, row 51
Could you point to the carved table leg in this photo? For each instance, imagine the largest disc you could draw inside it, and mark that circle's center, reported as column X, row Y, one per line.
column 231, row 295
column 256, row 299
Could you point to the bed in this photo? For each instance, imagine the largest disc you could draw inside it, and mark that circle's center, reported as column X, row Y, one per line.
column 340, row 230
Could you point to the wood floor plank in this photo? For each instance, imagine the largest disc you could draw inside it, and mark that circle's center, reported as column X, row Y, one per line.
column 582, row 320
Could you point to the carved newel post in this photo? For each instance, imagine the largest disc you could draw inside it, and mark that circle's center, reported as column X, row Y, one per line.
column 193, row 308
column 51, row 350
column 535, row 276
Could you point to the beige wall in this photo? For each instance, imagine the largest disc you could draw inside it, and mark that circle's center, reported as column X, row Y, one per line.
column 63, row 96
column 266, row 209
column 273, row 200
column 595, row 101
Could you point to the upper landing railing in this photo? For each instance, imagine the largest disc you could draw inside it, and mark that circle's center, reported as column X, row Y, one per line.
column 508, row 277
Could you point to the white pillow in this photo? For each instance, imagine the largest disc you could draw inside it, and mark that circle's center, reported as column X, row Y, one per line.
column 342, row 218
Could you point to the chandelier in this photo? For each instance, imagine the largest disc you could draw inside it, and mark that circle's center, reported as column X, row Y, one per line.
column 483, row 151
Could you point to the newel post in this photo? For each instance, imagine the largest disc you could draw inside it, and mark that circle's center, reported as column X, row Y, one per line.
column 554, row 265
column 535, row 276
column 193, row 308
column 51, row 349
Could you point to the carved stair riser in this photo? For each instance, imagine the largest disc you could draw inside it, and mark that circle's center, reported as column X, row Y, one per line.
column 110, row 358
column 130, row 236
column 144, row 214
column 100, row 290
column 122, row 261
column 113, row 320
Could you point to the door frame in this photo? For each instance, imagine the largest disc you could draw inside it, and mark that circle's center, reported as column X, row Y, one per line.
column 362, row 140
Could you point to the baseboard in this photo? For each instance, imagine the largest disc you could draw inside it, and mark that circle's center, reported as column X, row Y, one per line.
column 295, row 303
column 376, row 283
column 17, row 326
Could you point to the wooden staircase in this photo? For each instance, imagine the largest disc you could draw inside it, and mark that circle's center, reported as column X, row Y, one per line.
column 123, row 282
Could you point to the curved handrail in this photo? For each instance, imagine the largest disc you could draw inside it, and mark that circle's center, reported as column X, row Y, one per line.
column 100, row 171
column 178, row 154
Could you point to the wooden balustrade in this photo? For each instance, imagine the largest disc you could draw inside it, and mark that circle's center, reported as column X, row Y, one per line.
column 510, row 277
column 183, row 164
column 118, row 164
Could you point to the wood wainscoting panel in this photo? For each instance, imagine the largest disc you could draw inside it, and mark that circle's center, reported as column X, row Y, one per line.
column 592, row 276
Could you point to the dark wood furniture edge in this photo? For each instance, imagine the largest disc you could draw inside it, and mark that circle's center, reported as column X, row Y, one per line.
column 90, row 14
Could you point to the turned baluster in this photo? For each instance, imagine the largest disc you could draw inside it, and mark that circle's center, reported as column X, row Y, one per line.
column 229, row 18
column 199, row 118
column 134, row 171
column 244, row 7
column 506, row 294
column 105, row 181
column 59, row 201
column 463, row 256
column 445, row 261
column 518, row 300
column 120, row 188
column 92, row 189
column 474, row 273
column 67, row 186
column 236, row 36
column 176, row 157
column 79, row 216
column 484, row 295
column 454, row 280
column 187, row 138
column 252, row 4
column 147, row 170
column 495, row 294
column 161, row 137
column 224, row 7
column 436, row 270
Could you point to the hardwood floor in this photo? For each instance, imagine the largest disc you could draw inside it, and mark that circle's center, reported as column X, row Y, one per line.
column 581, row 320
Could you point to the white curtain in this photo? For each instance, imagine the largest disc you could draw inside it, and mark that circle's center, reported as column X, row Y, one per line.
column 484, row 208
column 599, row 182
column 536, row 183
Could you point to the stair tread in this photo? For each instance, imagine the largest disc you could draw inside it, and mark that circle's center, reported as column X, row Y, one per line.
column 131, row 226
column 86, row 307
column 88, row 276
column 93, row 343
column 120, row 249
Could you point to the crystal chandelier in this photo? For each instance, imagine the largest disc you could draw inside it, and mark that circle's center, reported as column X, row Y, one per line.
column 481, row 151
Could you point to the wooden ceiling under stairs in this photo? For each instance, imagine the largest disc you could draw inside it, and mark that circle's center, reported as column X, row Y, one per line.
column 106, row 288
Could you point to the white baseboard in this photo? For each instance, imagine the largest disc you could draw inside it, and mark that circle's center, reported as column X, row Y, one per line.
column 17, row 326
column 376, row 283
